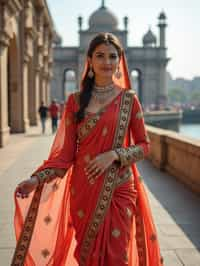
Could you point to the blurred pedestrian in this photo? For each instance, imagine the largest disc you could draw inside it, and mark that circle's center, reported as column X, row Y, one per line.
column 54, row 111
column 43, row 112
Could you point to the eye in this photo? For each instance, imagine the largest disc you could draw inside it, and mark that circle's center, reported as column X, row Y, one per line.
column 99, row 55
column 113, row 56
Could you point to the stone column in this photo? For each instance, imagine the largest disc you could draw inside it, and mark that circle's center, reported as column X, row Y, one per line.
column 25, row 122
column 4, row 129
column 163, row 87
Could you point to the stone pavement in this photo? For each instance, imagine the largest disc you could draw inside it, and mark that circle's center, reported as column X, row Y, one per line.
column 176, row 210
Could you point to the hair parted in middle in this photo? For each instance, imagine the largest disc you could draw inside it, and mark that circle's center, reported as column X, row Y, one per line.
column 87, row 83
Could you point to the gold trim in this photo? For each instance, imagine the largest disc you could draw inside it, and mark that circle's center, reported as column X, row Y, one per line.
column 140, row 238
column 124, row 177
column 27, row 231
column 130, row 154
column 109, row 180
column 86, row 127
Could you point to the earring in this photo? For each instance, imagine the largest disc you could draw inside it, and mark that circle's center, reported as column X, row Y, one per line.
column 90, row 73
column 118, row 73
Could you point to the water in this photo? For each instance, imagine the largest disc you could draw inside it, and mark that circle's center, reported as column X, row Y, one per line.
column 190, row 130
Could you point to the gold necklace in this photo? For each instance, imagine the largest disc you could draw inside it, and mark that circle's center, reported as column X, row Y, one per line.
column 101, row 94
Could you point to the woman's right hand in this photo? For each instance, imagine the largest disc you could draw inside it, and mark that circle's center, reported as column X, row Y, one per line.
column 25, row 187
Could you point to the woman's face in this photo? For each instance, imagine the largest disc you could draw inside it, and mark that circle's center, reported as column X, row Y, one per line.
column 104, row 61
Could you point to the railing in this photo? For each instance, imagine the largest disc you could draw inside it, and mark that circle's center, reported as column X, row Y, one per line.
column 177, row 155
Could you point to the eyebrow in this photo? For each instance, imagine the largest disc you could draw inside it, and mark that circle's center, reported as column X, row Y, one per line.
column 112, row 53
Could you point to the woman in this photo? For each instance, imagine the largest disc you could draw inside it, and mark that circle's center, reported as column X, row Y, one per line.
column 86, row 205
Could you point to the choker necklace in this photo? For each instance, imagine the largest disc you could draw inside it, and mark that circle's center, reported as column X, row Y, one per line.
column 102, row 94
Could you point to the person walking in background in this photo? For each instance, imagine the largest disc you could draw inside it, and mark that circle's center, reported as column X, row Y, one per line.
column 43, row 112
column 54, row 111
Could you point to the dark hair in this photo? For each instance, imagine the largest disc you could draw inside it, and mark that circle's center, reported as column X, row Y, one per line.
column 88, row 83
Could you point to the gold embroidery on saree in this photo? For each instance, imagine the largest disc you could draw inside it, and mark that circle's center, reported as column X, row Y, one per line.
column 45, row 253
column 72, row 190
column 84, row 130
column 87, row 158
column 139, row 115
column 123, row 177
column 26, row 234
column 104, row 131
column 47, row 219
column 109, row 180
column 140, row 239
column 116, row 233
column 128, row 212
column 80, row 214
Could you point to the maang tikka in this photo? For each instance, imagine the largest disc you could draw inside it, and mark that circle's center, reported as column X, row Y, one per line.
column 118, row 73
column 90, row 72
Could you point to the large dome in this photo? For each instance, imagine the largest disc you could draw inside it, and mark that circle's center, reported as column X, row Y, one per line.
column 103, row 19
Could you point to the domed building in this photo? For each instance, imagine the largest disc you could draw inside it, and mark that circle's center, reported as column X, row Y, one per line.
column 147, row 64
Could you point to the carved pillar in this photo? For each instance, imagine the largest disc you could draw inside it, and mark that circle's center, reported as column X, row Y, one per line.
column 4, row 129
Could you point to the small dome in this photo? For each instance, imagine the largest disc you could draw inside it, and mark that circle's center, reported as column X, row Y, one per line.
column 149, row 38
column 162, row 16
column 103, row 19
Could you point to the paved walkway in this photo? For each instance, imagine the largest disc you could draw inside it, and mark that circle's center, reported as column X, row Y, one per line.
column 175, row 209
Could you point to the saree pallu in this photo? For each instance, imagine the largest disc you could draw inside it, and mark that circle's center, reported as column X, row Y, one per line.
column 71, row 222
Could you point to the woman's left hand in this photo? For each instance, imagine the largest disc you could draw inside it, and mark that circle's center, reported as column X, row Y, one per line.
column 99, row 164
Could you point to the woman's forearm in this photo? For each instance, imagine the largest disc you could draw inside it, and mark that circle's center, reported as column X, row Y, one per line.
column 49, row 174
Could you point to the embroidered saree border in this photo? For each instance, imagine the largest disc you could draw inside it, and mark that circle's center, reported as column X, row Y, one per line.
column 140, row 239
column 27, row 231
column 109, row 180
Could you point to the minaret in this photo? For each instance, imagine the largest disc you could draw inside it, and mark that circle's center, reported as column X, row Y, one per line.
column 162, row 25
column 102, row 4
column 80, row 22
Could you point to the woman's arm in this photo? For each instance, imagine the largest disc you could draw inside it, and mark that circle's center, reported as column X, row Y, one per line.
column 140, row 148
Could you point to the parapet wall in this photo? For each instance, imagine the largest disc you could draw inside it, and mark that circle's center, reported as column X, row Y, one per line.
column 177, row 155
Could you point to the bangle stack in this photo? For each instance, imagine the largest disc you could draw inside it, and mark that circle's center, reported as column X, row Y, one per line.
column 43, row 175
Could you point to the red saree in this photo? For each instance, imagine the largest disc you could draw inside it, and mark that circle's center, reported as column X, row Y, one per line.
column 77, row 223
column 70, row 222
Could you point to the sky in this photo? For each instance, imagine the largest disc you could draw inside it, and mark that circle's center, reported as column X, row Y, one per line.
column 182, row 33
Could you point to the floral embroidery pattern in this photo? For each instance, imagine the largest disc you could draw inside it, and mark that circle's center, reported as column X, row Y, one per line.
column 128, row 212
column 47, row 219
column 139, row 115
column 45, row 253
column 153, row 237
column 80, row 214
column 116, row 233
column 109, row 180
column 87, row 158
column 104, row 131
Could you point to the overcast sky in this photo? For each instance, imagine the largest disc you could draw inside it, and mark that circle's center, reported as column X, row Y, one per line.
column 182, row 35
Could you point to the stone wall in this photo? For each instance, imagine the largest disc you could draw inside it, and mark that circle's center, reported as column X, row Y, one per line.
column 177, row 155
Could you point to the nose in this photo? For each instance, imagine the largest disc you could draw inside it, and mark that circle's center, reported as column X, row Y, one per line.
column 107, row 60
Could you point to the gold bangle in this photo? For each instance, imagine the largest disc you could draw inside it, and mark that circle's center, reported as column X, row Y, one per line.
column 44, row 174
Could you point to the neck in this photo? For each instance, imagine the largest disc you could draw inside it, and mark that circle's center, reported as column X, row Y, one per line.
column 103, row 83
